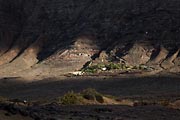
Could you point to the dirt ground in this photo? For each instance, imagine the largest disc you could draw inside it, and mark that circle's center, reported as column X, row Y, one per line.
column 117, row 86
column 53, row 112
column 155, row 87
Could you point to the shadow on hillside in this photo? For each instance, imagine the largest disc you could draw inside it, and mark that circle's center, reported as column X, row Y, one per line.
column 109, row 21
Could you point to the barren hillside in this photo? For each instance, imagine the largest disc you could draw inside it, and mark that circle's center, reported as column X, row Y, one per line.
column 45, row 37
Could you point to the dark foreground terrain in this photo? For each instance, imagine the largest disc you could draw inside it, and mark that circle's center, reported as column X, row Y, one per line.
column 159, row 96
column 53, row 112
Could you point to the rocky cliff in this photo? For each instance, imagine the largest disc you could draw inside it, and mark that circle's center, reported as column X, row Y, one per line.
column 57, row 36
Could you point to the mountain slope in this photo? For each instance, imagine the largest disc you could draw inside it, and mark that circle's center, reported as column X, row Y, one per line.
column 57, row 37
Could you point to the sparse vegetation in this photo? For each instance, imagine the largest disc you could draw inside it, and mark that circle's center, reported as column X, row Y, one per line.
column 112, row 66
column 103, row 67
column 87, row 96
column 90, row 69
column 71, row 98
column 142, row 67
column 92, row 94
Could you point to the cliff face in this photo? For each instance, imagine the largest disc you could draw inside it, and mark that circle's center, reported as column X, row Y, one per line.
column 44, row 30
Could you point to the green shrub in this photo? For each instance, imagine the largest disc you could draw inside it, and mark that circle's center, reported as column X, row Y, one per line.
column 90, row 70
column 142, row 67
column 81, row 98
column 92, row 94
column 100, row 66
column 71, row 98
column 112, row 66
